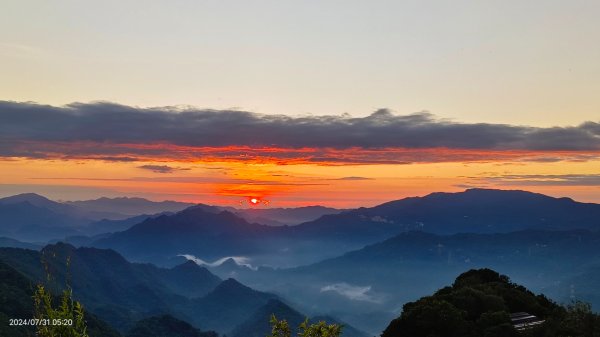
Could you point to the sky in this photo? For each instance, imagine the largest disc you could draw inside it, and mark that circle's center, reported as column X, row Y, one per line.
column 340, row 103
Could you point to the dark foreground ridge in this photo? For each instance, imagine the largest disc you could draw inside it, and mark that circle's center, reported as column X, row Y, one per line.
column 481, row 303
column 166, row 326
column 16, row 301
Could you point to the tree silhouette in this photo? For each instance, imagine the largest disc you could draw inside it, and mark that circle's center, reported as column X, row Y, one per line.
column 281, row 328
column 66, row 320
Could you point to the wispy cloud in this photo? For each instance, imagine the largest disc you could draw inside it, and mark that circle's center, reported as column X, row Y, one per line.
column 544, row 180
column 161, row 168
column 355, row 293
column 353, row 178
column 239, row 260
column 109, row 131
column 191, row 180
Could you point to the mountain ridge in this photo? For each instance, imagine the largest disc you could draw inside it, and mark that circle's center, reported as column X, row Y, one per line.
column 213, row 235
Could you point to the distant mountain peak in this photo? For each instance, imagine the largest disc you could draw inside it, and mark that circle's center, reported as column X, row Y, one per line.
column 506, row 192
column 28, row 195
column 479, row 190
column 124, row 198
column 61, row 250
column 231, row 283
column 59, row 246
column 231, row 288
column 230, row 262
column 32, row 198
column 122, row 207
column 188, row 264
column 200, row 212
column 190, row 267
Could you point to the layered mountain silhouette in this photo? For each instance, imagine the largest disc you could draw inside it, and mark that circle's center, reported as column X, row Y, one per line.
column 540, row 258
column 34, row 218
column 30, row 217
column 258, row 321
column 123, row 293
column 8, row 242
column 356, row 265
column 210, row 234
column 41, row 202
column 257, row 324
column 365, row 285
column 128, row 207
column 187, row 279
column 285, row 216
column 118, row 291
column 532, row 249
column 105, row 226
column 193, row 231
column 471, row 211
column 228, row 305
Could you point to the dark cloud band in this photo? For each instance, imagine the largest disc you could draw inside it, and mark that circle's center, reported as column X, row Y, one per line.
column 116, row 131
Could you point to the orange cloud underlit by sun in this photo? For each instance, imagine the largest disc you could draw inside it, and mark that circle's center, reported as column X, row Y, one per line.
column 162, row 152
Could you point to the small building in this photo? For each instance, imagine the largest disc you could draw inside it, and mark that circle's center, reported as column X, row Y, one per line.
column 523, row 321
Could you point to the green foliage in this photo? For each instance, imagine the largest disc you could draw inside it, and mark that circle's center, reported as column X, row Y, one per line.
column 479, row 304
column 280, row 328
column 320, row 329
column 579, row 320
column 432, row 317
column 66, row 320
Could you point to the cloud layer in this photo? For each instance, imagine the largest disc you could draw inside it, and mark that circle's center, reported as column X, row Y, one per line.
column 160, row 168
column 545, row 180
column 241, row 261
column 111, row 131
column 355, row 293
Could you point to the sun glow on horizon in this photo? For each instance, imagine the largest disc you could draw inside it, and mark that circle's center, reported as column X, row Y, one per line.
column 257, row 201
column 270, row 185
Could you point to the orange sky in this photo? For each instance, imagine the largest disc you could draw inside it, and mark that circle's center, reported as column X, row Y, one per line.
column 365, row 104
column 231, row 182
